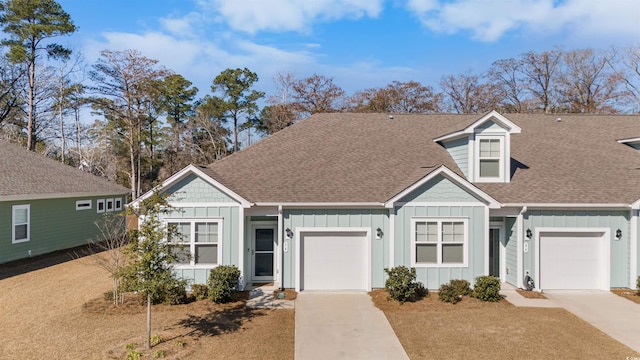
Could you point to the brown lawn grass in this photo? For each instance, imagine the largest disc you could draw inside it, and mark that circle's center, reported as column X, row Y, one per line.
column 627, row 294
column 432, row 329
column 57, row 311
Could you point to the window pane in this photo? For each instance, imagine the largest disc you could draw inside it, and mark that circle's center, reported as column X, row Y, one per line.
column 264, row 264
column 427, row 232
column 458, row 232
column 495, row 148
column 181, row 232
column 452, row 253
column 21, row 232
column 206, row 232
column 206, row 254
column 490, row 148
column 485, row 148
column 20, row 216
column 421, row 231
column 489, row 168
column 264, row 239
column 182, row 254
column 426, row 253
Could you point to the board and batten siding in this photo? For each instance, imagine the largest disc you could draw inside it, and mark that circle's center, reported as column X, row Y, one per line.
column 54, row 224
column 339, row 218
column 511, row 250
column 612, row 219
column 459, row 151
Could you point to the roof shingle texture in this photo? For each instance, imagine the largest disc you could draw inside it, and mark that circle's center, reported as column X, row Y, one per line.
column 347, row 157
column 26, row 173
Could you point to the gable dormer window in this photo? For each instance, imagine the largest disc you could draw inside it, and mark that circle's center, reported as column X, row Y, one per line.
column 489, row 158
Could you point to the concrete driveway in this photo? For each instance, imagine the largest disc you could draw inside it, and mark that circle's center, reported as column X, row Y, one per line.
column 612, row 314
column 343, row 325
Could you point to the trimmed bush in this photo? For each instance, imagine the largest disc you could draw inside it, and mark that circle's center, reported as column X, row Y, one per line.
column 462, row 287
column 175, row 293
column 448, row 293
column 199, row 291
column 223, row 281
column 487, row 288
column 401, row 284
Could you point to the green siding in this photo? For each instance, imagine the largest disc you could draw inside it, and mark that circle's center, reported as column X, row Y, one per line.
column 433, row 277
column 459, row 151
column 439, row 189
column 193, row 189
column 511, row 260
column 55, row 224
column 619, row 261
column 342, row 218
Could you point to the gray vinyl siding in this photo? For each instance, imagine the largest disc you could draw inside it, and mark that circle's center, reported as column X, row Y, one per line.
column 433, row 277
column 511, row 248
column 230, row 216
column 339, row 218
column 439, row 190
column 619, row 261
column 54, row 224
column 193, row 189
column 459, row 151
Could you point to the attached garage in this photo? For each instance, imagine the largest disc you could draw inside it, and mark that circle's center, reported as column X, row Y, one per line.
column 333, row 261
column 573, row 260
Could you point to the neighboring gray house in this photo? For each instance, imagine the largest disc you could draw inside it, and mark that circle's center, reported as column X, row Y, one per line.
column 47, row 206
column 330, row 202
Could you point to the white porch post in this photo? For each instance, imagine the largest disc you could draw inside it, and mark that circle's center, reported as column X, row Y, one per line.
column 241, row 247
column 633, row 249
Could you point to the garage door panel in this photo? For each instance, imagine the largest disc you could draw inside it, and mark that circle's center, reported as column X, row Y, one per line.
column 571, row 260
column 333, row 261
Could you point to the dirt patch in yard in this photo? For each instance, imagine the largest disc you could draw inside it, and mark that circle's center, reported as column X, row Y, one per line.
column 627, row 294
column 57, row 311
column 531, row 294
column 432, row 329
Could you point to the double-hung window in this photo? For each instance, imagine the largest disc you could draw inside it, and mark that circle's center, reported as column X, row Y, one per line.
column 439, row 241
column 20, row 223
column 196, row 242
column 490, row 156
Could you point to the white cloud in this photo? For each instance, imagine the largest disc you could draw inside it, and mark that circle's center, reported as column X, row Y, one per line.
column 288, row 15
column 488, row 20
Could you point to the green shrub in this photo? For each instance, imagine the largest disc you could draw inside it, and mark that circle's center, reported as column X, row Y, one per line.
column 158, row 354
column 487, row 288
column 401, row 284
column 199, row 291
column 155, row 339
column 175, row 293
column 462, row 287
column 638, row 286
column 223, row 281
column 449, row 293
column 130, row 346
column 134, row 355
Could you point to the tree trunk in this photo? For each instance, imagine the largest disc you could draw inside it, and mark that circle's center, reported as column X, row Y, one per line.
column 148, row 321
column 31, row 102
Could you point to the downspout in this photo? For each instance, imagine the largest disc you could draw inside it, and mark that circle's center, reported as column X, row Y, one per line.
column 520, row 242
column 281, row 249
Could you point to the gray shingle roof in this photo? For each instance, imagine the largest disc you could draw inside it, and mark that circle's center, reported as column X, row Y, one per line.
column 25, row 174
column 370, row 158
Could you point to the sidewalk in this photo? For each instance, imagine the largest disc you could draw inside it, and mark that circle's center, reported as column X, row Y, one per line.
column 262, row 297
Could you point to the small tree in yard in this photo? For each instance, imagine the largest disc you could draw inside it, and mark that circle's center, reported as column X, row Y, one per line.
column 150, row 272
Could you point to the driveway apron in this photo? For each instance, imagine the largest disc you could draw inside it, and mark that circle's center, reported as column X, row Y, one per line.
column 612, row 314
column 343, row 325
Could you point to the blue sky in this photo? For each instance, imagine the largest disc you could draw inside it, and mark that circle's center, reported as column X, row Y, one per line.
column 360, row 43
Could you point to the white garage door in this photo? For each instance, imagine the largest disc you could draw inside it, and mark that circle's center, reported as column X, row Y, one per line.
column 571, row 260
column 333, row 261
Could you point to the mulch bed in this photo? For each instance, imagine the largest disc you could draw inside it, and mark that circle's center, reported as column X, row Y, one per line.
column 531, row 294
column 627, row 294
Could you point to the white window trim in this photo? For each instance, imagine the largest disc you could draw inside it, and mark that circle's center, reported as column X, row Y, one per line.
column 440, row 220
column 117, row 204
column 501, row 161
column 83, row 204
column 107, row 202
column 98, row 203
column 13, row 223
column 192, row 244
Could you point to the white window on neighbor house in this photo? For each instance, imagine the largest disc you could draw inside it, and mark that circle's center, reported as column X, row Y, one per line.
column 20, row 223
column 117, row 203
column 197, row 242
column 439, row 242
column 109, row 205
column 490, row 158
column 100, row 205
column 83, row 205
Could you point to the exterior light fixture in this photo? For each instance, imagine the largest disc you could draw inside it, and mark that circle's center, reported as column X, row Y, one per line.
column 618, row 234
column 529, row 234
column 379, row 234
column 289, row 233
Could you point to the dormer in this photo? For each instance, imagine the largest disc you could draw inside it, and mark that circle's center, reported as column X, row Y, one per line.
column 482, row 149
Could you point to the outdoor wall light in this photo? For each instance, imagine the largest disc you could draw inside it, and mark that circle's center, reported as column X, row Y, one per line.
column 379, row 234
column 289, row 233
column 618, row 234
column 529, row 234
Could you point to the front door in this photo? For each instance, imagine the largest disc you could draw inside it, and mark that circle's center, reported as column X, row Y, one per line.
column 494, row 252
column 263, row 254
